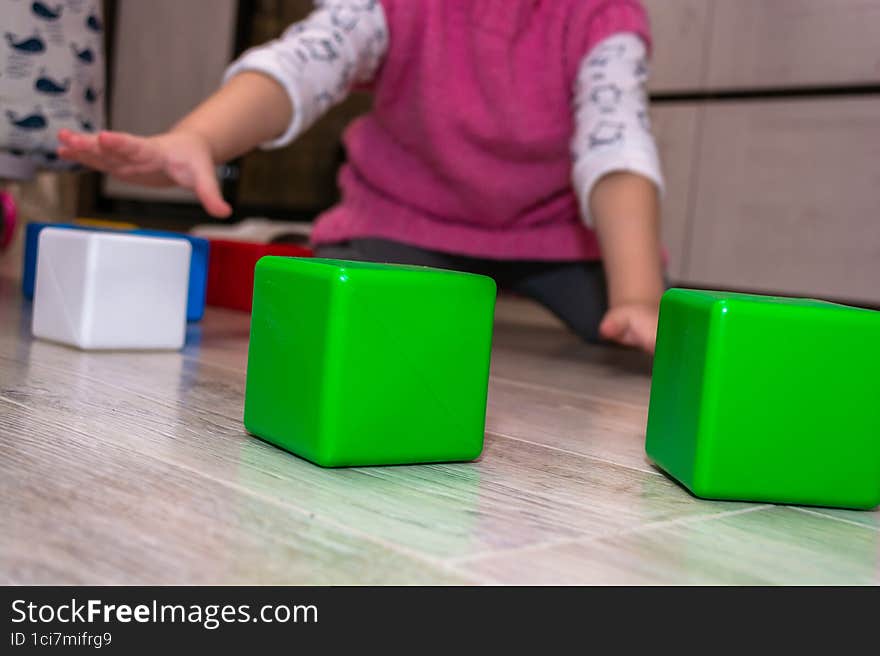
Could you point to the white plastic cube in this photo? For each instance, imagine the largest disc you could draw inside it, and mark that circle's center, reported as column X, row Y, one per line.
column 99, row 290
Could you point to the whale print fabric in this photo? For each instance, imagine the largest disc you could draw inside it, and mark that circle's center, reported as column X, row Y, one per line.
column 612, row 129
column 51, row 76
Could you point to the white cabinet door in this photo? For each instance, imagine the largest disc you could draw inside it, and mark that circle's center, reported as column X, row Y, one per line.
column 787, row 198
column 680, row 31
column 675, row 127
column 790, row 43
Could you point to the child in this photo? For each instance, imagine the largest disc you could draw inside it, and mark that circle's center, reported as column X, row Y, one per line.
column 507, row 137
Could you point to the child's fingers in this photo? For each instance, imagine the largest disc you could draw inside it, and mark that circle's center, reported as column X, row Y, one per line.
column 621, row 328
column 83, row 143
column 90, row 151
column 65, row 153
column 648, row 339
column 638, row 335
column 99, row 161
column 630, row 327
column 208, row 191
column 83, row 157
column 127, row 147
column 612, row 326
column 66, row 136
column 628, row 336
column 197, row 173
column 632, row 337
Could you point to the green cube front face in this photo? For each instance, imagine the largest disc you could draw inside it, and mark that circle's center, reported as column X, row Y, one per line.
column 768, row 399
column 356, row 363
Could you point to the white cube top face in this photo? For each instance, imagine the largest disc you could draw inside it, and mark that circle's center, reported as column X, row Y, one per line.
column 99, row 290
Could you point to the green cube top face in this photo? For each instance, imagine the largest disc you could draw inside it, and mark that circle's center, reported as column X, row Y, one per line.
column 358, row 363
column 768, row 399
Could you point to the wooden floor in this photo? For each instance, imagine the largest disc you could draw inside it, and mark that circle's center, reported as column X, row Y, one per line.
column 134, row 468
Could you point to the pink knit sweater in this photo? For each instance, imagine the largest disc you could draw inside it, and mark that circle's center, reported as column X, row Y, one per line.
column 467, row 148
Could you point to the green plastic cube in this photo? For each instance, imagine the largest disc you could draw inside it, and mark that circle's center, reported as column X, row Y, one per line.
column 357, row 363
column 768, row 399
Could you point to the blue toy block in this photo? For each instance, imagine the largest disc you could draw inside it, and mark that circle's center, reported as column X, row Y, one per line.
column 198, row 269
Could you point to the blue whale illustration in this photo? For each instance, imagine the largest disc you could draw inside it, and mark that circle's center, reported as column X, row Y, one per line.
column 46, row 12
column 49, row 86
column 32, row 45
column 85, row 55
column 31, row 122
column 94, row 23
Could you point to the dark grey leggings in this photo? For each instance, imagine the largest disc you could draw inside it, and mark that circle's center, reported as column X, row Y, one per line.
column 574, row 291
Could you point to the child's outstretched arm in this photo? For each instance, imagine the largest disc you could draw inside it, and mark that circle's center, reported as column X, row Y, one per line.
column 617, row 178
column 271, row 94
column 219, row 129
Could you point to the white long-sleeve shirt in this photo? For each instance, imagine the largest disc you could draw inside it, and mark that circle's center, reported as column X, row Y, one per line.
column 343, row 42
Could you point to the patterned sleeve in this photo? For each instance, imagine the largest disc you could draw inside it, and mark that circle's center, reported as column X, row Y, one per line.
column 318, row 60
column 612, row 128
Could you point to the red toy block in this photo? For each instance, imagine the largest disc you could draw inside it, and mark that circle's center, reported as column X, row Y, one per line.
column 231, row 270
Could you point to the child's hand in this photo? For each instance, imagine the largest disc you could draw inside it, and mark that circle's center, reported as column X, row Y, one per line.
column 173, row 158
column 633, row 324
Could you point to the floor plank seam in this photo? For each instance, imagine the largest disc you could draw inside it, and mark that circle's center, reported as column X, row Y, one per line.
column 588, row 456
column 177, row 406
column 170, row 404
column 216, row 365
column 14, row 402
column 568, row 392
column 434, row 562
column 586, row 540
column 437, row 563
column 236, row 420
column 441, row 564
column 495, row 521
column 819, row 513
